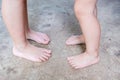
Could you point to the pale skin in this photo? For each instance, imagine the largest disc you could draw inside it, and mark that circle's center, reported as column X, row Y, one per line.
column 86, row 13
column 16, row 19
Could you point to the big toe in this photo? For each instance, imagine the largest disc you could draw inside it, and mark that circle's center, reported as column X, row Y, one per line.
column 69, row 58
column 46, row 41
column 70, row 41
column 45, row 37
column 43, row 40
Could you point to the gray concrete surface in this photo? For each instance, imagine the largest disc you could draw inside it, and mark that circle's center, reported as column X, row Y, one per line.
column 57, row 19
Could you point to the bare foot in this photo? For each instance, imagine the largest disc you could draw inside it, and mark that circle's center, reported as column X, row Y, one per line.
column 76, row 39
column 38, row 37
column 32, row 53
column 82, row 60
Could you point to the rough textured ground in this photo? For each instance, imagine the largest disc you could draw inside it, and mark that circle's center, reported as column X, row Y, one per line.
column 57, row 19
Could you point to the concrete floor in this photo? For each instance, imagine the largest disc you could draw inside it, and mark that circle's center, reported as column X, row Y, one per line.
column 57, row 19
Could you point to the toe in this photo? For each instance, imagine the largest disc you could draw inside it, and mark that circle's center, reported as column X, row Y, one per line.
column 45, row 57
column 70, row 62
column 47, row 51
column 68, row 42
column 42, row 59
column 40, row 40
column 46, row 41
column 69, row 58
column 76, row 67
column 48, row 55
column 45, row 37
column 79, row 67
column 73, row 65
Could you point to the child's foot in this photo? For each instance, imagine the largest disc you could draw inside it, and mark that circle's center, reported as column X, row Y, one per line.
column 82, row 60
column 76, row 39
column 32, row 53
column 38, row 37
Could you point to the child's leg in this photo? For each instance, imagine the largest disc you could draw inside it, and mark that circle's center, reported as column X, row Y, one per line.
column 30, row 34
column 84, row 10
column 78, row 39
column 13, row 14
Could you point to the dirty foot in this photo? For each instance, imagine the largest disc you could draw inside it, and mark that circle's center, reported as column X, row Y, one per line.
column 32, row 53
column 38, row 37
column 82, row 60
column 76, row 39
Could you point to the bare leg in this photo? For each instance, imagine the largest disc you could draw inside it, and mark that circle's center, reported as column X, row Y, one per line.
column 13, row 14
column 78, row 39
column 30, row 34
column 84, row 10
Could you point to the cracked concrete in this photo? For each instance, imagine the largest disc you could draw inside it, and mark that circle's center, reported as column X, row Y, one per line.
column 57, row 19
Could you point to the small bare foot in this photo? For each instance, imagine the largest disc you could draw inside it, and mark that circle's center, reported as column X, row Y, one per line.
column 76, row 39
column 32, row 53
column 82, row 60
column 38, row 37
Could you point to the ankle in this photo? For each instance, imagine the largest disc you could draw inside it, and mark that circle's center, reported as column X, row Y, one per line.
column 29, row 33
column 21, row 46
column 93, row 53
